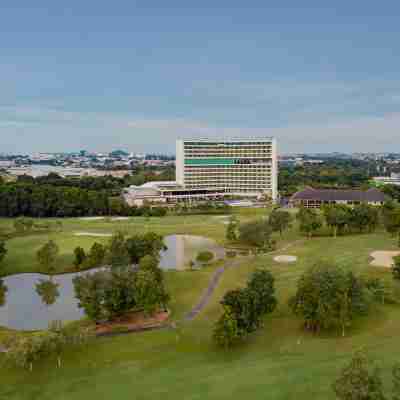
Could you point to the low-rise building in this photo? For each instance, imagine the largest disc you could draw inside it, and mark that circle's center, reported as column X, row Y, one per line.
column 315, row 198
column 393, row 179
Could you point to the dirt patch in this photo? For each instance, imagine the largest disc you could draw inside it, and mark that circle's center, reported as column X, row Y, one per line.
column 134, row 322
column 119, row 219
column 284, row 259
column 92, row 234
column 383, row 258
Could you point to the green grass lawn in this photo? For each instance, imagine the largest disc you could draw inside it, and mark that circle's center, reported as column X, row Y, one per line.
column 280, row 361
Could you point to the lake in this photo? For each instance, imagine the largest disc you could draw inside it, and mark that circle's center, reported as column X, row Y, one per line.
column 24, row 308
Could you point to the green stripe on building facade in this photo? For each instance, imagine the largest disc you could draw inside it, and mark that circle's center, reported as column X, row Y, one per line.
column 209, row 161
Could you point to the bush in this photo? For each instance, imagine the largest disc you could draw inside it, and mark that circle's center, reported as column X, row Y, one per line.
column 396, row 267
column 205, row 257
column 3, row 250
column 80, row 256
column 256, row 233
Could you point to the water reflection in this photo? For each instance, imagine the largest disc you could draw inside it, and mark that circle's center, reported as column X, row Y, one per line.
column 3, row 293
column 34, row 300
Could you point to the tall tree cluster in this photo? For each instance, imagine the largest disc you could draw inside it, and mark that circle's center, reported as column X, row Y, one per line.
column 330, row 297
column 244, row 309
column 107, row 294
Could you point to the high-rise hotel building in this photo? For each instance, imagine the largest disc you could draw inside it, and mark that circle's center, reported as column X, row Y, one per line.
column 238, row 167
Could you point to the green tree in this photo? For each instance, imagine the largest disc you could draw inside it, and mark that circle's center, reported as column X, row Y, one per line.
column 47, row 256
column 258, row 234
column 148, row 244
column 226, row 332
column 328, row 297
column 118, row 254
column 309, row 221
column 24, row 350
column 150, row 293
column 364, row 217
column 396, row 381
column 80, row 256
column 338, row 217
column 360, row 380
column 48, row 291
column 62, row 338
column 391, row 218
column 231, row 229
column 396, row 267
column 105, row 295
column 279, row 221
column 261, row 286
column 120, row 292
column 3, row 293
column 96, row 256
column 3, row 250
column 90, row 292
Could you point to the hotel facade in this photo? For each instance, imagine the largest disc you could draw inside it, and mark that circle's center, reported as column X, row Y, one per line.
column 237, row 167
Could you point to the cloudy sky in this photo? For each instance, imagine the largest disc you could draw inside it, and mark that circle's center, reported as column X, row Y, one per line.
column 138, row 74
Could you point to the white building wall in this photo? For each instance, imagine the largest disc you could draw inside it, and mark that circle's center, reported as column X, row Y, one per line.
column 243, row 167
column 180, row 162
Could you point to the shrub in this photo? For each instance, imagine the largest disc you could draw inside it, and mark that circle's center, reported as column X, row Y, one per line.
column 3, row 250
column 80, row 256
column 396, row 267
column 256, row 233
column 205, row 257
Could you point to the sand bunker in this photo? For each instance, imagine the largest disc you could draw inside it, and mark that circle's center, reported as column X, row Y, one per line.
column 383, row 258
column 119, row 218
column 92, row 234
column 91, row 218
column 285, row 259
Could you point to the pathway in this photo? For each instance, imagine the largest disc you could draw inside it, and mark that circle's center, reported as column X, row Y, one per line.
column 208, row 292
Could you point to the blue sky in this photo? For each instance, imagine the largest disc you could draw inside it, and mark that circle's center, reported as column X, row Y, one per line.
column 138, row 74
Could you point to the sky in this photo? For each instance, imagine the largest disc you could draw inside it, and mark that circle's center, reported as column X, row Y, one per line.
column 101, row 75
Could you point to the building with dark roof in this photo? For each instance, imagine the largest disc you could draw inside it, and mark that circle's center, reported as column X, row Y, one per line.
column 315, row 198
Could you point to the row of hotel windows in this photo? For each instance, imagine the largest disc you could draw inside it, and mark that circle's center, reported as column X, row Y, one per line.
column 233, row 144
column 225, row 183
column 234, row 168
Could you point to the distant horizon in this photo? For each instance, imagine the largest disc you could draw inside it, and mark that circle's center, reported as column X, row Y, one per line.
column 318, row 77
column 174, row 153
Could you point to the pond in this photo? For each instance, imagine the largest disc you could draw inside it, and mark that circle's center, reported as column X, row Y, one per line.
column 25, row 309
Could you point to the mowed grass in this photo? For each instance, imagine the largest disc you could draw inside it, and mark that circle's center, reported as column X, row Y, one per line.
column 280, row 361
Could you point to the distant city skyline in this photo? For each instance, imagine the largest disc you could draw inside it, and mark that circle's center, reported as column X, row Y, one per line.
column 137, row 76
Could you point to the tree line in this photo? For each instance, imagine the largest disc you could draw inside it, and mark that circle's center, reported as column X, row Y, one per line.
column 48, row 201
column 339, row 218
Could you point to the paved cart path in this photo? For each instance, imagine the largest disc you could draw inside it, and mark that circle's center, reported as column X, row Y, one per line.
column 216, row 277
